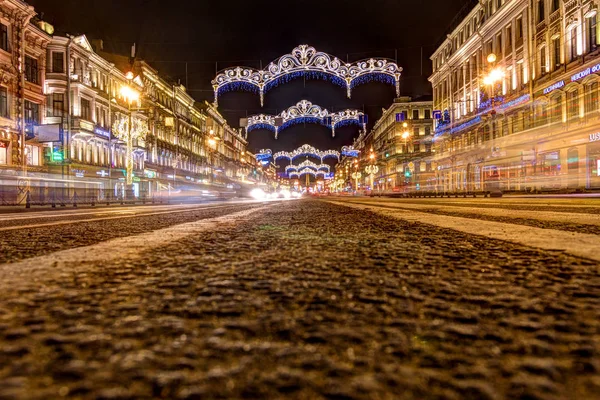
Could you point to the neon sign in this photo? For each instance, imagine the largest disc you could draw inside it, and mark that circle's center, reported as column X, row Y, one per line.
column 582, row 74
column 595, row 137
column 101, row 132
column 553, row 87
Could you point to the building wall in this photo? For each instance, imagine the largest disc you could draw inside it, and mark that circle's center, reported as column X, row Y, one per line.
column 404, row 164
column 22, row 67
column 535, row 128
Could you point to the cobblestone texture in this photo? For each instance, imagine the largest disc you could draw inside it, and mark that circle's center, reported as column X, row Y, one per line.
column 310, row 300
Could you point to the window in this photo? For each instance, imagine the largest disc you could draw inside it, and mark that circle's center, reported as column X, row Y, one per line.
column 33, row 155
column 573, row 104
column 555, row 5
column 86, row 110
column 58, row 62
column 508, row 39
column 592, row 32
column 415, row 114
column 3, row 151
column 427, row 130
column 416, row 131
column 556, row 113
column 543, row 65
column 404, row 115
column 573, row 44
column 499, row 46
column 541, row 11
column 56, row 105
column 427, row 114
column 591, row 97
column 556, row 52
column 519, row 29
column 3, row 37
column 3, row 102
column 31, row 70
column 32, row 112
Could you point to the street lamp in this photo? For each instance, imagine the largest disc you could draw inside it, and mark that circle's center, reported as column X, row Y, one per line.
column 129, row 131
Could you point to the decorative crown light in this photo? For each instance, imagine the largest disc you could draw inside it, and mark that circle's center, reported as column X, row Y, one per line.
column 306, row 61
column 306, row 112
column 307, row 172
column 307, row 165
column 306, row 150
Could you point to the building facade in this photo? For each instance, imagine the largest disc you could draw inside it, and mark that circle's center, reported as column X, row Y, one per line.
column 527, row 115
column 23, row 42
column 400, row 145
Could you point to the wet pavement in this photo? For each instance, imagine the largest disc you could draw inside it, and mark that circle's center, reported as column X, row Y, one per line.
column 304, row 300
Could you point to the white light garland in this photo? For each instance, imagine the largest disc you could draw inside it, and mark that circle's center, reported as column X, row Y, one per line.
column 307, row 150
column 306, row 61
column 306, row 111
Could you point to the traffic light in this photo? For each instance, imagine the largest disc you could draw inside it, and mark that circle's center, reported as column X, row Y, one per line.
column 407, row 173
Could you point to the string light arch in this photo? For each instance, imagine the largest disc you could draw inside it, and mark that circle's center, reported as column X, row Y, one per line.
column 306, row 112
column 305, row 61
column 306, row 150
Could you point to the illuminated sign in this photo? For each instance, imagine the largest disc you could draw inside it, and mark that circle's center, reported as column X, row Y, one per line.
column 437, row 114
column 102, row 173
column 3, row 145
column 101, row 132
column 150, row 174
column 515, row 102
column 595, row 137
column 591, row 70
column 557, row 85
column 57, row 156
column 79, row 173
column 263, row 157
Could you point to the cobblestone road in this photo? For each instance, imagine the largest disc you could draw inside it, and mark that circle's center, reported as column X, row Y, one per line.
column 307, row 300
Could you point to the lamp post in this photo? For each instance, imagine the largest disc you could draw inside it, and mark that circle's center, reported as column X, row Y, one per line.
column 494, row 76
column 130, row 128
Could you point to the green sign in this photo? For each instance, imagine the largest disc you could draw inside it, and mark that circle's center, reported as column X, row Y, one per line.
column 57, row 156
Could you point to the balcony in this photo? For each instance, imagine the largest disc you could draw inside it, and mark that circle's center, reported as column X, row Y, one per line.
column 555, row 16
column 570, row 6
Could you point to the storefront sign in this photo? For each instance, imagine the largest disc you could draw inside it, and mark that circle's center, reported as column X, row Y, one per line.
column 591, row 70
column 553, row 87
column 79, row 173
column 101, row 132
column 150, row 174
column 595, row 137
column 102, row 173
column 3, row 145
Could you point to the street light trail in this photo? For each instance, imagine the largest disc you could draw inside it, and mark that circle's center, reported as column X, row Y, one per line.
column 119, row 211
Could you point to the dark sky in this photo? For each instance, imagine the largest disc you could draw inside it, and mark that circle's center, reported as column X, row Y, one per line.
column 223, row 33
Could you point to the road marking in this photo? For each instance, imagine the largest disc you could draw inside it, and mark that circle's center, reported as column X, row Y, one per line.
column 130, row 247
column 556, row 216
column 57, row 223
column 578, row 244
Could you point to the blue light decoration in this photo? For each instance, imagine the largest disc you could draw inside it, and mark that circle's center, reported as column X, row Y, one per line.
column 264, row 155
column 306, row 112
column 255, row 127
column 239, row 87
column 305, row 61
column 350, row 151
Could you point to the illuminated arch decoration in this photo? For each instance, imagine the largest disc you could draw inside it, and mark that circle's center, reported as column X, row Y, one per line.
column 307, row 165
column 307, row 172
column 306, row 112
column 350, row 151
column 305, row 61
column 306, row 150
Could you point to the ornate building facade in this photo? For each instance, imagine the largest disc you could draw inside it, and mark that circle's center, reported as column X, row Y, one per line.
column 527, row 115
column 400, row 144
column 23, row 42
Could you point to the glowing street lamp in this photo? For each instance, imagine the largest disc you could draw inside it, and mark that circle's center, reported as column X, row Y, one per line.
column 130, row 128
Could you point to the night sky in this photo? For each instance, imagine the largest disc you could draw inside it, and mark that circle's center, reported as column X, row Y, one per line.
column 216, row 34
